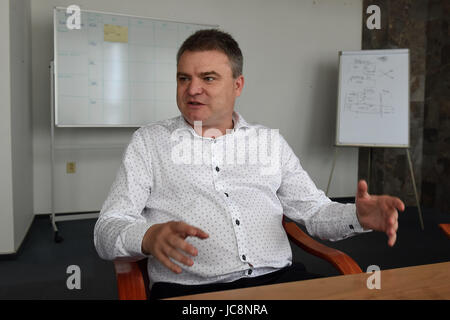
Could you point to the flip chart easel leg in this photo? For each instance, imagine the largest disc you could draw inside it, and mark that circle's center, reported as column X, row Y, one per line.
column 369, row 169
column 415, row 189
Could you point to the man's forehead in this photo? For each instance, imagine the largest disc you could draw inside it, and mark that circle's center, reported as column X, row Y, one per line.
column 208, row 60
column 212, row 52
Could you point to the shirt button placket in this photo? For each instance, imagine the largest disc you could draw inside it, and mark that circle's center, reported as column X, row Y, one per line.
column 239, row 231
column 214, row 161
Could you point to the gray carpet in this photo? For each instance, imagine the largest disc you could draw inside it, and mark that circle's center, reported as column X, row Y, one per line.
column 38, row 271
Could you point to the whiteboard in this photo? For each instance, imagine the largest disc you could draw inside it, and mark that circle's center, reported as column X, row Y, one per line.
column 116, row 70
column 373, row 98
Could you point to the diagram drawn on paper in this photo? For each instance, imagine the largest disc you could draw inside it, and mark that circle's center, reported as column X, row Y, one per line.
column 369, row 87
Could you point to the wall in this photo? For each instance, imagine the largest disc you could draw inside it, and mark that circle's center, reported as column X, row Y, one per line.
column 436, row 133
column 290, row 52
column 16, row 176
column 21, row 118
column 403, row 24
column 421, row 26
column 6, row 198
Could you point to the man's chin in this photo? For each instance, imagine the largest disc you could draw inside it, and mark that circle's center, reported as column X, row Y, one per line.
column 194, row 115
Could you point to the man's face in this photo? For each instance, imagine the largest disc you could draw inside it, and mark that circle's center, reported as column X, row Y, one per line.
column 206, row 89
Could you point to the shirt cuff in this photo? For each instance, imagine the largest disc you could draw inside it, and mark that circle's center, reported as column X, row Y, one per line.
column 353, row 222
column 134, row 236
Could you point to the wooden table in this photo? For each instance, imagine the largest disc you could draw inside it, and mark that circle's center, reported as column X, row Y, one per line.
column 430, row 281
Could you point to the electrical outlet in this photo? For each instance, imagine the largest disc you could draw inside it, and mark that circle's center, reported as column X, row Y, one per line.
column 70, row 167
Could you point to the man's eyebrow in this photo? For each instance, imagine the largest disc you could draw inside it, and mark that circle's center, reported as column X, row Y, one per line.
column 182, row 74
column 209, row 73
column 202, row 74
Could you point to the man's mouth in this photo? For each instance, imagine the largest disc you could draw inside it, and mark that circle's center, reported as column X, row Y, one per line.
column 195, row 104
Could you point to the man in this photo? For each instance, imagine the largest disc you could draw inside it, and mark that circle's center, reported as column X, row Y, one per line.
column 205, row 220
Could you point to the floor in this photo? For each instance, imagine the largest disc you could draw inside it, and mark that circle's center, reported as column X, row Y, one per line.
column 39, row 270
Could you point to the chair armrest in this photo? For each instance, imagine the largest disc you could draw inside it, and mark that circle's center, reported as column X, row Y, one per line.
column 342, row 262
column 446, row 228
column 130, row 281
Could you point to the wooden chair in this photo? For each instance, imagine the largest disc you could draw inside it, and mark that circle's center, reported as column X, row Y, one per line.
column 133, row 282
column 445, row 227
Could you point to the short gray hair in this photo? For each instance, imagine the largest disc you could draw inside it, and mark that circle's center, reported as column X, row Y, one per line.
column 214, row 39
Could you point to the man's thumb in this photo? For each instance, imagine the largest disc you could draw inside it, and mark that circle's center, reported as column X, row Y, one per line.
column 362, row 189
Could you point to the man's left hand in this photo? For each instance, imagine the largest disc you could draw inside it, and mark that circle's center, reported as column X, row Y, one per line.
column 378, row 212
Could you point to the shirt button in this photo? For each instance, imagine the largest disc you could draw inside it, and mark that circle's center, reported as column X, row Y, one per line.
column 243, row 257
column 217, row 169
column 238, row 223
column 250, row 272
column 226, row 194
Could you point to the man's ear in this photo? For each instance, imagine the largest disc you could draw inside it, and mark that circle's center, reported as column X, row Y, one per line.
column 239, row 85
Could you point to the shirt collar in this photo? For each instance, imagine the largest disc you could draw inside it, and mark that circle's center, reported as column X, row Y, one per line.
column 238, row 120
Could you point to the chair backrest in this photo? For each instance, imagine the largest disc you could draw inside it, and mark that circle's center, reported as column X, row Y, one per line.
column 143, row 267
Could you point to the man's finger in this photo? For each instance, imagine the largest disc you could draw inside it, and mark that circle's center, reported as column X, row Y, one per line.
column 393, row 216
column 201, row 234
column 190, row 231
column 400, row 205
column 395, row 202
column 396, row 226
column 392, row 238
column 175, row 254
column 179, row 243
column 168, row 263
column 362, row 189
column 197, row 232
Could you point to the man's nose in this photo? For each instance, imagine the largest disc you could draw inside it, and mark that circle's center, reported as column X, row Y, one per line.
column 195, row 87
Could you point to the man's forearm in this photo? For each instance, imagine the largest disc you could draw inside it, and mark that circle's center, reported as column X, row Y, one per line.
column 117, row 237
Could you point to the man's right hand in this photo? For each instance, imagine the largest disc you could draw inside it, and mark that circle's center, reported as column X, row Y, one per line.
column 165, row 240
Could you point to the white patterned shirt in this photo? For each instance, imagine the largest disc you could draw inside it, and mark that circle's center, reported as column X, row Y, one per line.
column 170, row 173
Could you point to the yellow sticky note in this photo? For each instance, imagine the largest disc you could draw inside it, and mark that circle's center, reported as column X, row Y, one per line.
column 115, row 33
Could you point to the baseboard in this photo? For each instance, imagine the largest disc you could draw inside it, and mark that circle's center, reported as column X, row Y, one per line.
column 59, row 214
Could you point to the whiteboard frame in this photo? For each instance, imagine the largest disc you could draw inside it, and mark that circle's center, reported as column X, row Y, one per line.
column 55, row 69
column 376, row 145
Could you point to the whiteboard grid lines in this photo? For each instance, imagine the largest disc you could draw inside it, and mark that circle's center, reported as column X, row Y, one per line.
column 123, row 79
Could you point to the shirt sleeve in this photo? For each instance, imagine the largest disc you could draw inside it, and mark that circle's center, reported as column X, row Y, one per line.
column 305, row 204
column 121, row 226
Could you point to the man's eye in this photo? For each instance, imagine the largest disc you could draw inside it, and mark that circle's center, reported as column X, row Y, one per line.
column 182, row 79
column 209, row 79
